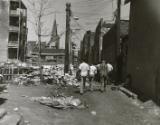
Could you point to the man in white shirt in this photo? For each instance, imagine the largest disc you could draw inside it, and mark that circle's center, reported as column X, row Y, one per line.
column 84, row 68
column 92, row 73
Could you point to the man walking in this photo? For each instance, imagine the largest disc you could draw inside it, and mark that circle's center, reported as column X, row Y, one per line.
column 92, row 73
column 103, row 69
column 109, row 73
column 84, row 68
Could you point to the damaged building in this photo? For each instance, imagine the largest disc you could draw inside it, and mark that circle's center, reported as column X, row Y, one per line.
column 14, row 28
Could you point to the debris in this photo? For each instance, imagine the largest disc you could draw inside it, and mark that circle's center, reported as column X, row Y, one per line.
column 151, row 108
column 75, row 102
column 12, row 119
column 27, row 122
column 136, row 102
column 3, row 112
column 5, row 91
column 60, row 102
column 15, row 109
column 94, row 113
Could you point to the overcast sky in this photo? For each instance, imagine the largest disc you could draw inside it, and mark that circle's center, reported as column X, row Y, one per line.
column 88, row 11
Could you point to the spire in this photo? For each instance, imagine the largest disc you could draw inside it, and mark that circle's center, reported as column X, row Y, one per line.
column 54, row 29
column 54, row 41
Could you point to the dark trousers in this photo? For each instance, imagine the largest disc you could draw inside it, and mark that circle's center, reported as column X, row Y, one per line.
column 82, row 84
column 104, row 82
column 91, row 79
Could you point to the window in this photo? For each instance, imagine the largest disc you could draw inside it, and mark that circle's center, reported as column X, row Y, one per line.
column 14, row 5
column 14, row 21
column 12, row 53
column 13, row 36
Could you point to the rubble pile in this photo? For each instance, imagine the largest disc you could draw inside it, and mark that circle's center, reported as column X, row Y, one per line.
column 151, row 108
column 26, row 74
column 71, row 80
column 51, row 75
column 60, row 102
column 32, row 76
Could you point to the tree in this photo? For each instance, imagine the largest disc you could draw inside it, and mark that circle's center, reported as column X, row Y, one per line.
column 39, row 9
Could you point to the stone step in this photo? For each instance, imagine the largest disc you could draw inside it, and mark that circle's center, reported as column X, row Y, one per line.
column 12, row 119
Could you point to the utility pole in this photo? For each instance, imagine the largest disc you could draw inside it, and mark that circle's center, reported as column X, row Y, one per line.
column 39, row 42
column 118, row 21
column 100, row 41
column 67, row 39
column 117, row 48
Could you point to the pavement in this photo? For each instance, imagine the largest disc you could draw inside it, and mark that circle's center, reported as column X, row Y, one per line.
column 108, row 108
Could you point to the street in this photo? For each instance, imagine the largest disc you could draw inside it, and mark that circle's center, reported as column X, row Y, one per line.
column 108, row 108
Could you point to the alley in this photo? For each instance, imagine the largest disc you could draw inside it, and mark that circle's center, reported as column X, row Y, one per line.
column 108, row 108
column 79, row 62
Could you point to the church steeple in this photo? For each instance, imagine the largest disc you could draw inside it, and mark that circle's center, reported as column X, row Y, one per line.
column 54, row 41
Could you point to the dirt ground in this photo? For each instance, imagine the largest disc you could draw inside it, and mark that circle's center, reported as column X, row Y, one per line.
column 111, row 107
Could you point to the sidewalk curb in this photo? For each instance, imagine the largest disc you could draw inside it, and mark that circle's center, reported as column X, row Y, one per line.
column 128, row 92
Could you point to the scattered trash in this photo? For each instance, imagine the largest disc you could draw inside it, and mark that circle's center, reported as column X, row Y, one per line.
column 3, row 112
column 5, row 91
column 27, row 122
column 151, row 108
column 60, row 102
column 10, row 118
column 136, row 102
column 15, row 109
column 94, row 113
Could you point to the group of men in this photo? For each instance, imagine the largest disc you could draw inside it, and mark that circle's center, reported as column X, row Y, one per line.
column 91, row 71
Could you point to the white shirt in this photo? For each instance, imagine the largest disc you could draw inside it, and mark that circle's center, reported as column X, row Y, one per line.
column 92, row 71
column 84, row 67
column 71, row 67
column 109, row 67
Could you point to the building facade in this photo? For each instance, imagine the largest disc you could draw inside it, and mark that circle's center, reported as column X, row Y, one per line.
column 17, row 30
column 101, row 29
column 14, row 30
column 4, row 21
column 110, row 48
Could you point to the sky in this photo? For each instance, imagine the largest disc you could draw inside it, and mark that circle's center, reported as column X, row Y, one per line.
column 89, row 13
